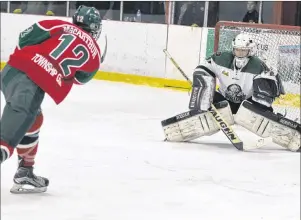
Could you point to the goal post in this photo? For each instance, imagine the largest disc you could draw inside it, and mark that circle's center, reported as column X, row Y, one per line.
column 277, row 45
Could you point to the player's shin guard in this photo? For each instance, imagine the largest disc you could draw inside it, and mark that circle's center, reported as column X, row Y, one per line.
column 266, row 124
column 194, row 124
column 28, row 146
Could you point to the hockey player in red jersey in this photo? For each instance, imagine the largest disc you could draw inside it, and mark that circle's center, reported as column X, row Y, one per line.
column 50, row 57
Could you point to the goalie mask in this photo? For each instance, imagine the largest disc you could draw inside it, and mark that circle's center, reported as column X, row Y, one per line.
column 243, row 47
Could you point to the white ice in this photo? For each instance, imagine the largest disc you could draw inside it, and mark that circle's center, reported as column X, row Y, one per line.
column 103, row 152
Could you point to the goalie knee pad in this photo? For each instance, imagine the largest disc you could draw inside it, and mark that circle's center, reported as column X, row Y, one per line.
column 194, row 124
column 266, row 124
column 202, row 89
column 28, row 146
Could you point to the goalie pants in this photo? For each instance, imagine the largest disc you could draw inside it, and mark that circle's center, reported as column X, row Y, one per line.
column 235, row 106
column 22, row 116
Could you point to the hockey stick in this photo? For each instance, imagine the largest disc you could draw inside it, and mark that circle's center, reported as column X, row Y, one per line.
column 177, row 66
column 226, row 129
column 223, row 125
column 104, row 51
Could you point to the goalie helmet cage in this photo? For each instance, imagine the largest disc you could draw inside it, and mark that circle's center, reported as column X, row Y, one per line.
column 279, row 47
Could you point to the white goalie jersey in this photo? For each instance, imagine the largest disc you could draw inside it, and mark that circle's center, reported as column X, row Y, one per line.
column 236, row 84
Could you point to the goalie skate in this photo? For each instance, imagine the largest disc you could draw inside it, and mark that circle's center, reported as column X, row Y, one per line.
column 25, row 181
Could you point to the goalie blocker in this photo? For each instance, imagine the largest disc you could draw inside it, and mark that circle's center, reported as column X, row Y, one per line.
column 283, row 131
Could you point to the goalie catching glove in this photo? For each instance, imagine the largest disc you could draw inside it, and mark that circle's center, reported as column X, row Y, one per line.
column 266, row 87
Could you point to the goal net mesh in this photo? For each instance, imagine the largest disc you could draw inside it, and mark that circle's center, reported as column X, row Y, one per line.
column 277, row 45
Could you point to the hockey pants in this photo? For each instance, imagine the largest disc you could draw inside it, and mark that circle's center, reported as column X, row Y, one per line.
column 23, row 101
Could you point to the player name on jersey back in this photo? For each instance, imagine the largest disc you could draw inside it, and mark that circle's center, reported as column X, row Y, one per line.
column 84, row 36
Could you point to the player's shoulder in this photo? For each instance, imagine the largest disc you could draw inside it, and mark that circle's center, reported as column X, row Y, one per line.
column 225, row 55
column 52, row 23
column 257, row 66
column 221, row 58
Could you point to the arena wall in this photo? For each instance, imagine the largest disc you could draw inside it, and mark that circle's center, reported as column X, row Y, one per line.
column 135, row 50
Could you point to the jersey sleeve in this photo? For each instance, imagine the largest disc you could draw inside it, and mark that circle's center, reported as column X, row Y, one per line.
column 39, row 32
column 33, row 35
column 209, row 65
column 82, row 78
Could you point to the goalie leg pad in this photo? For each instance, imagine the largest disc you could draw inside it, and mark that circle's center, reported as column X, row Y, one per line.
column 252, row 121
column 194, row 124
column 284, row 132
column 286, row 137
column 189, row 126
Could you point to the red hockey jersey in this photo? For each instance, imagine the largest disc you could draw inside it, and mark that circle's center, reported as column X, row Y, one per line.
column 55, row 54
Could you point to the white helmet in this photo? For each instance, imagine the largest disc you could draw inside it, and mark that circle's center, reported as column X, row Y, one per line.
column 243, row 47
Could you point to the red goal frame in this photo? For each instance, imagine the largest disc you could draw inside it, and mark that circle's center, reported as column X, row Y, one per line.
column 251, row 25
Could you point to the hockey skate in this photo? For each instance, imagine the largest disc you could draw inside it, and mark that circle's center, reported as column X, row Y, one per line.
column 25, row 181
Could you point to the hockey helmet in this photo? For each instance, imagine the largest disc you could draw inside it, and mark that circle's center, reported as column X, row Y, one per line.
column 88, row 19
column 243, row 47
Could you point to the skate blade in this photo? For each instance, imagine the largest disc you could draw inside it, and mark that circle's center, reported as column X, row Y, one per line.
column 21, row 189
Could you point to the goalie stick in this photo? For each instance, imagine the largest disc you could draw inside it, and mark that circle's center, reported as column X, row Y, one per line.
column 223, row 125
column 227, row 130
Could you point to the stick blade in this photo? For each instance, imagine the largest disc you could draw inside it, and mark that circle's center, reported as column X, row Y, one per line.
column 226, row 129
column 239, row 145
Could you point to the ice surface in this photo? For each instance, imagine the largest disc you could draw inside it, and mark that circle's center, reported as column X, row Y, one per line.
column 103, row 152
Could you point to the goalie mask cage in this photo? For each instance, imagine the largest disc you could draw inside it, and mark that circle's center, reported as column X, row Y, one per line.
column 279, row 47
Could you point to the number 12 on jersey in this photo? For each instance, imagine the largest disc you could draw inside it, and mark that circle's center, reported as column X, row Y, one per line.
column 80, row 54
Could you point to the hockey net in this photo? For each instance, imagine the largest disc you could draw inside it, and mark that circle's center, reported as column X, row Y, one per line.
column 277, row 45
